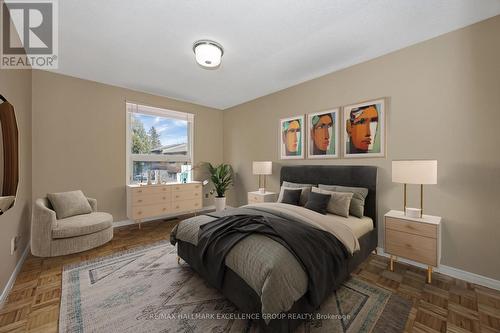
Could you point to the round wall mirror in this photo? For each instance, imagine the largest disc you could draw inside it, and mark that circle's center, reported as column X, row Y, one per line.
column 9, row 155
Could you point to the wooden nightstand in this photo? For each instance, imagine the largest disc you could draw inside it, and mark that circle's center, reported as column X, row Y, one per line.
column 417, row 239
column 258, row 197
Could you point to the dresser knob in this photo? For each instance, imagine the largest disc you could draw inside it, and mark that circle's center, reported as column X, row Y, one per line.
column 164, row 209
column 139, row 213
column 177, row 207
column 140, row 200
column 196, row 204
column 177, row 197
column 164, row 198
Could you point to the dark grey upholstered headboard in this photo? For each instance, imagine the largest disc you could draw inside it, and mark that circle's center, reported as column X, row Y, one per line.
column 344, row 175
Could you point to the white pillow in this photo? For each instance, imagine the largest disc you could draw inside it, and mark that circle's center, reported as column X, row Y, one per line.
column 339, row 201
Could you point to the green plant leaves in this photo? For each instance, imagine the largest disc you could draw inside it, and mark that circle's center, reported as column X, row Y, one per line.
column 221, row 176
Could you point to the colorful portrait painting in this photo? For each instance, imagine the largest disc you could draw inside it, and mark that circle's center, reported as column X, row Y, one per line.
column 364, row 129
column 323, row 134
column 292, row 138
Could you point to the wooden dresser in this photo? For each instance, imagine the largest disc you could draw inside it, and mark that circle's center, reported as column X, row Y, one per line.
column 145, row 202
column 417, row 239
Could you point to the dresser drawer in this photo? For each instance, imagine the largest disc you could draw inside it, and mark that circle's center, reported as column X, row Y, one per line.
column 186, row 195
column 255, row 198
column 411, row 227
column 413, row 247
column 151, row 199
column 149, row 190
column 142, row 212
column 185, row 187
column 186, row 205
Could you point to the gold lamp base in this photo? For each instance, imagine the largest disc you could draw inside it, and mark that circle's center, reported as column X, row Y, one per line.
column 421, row 199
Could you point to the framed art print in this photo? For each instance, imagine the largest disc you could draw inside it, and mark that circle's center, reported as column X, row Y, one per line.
column 323, row 134
column 364, row 129
column 292, row 138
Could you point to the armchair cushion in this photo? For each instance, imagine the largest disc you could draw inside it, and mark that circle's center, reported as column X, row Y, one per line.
column 68, row 204
column 80, row 225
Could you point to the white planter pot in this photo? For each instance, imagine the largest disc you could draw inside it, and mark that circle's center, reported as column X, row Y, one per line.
column 220, row 204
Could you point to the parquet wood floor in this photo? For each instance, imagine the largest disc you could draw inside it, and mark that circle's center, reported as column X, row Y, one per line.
column 446, row 305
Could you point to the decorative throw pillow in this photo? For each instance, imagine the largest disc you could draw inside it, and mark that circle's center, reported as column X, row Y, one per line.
column 339, row 202
column 68, row 204
column 306, row 189
column 318, row 202
column 357, row 207
column 292, row 197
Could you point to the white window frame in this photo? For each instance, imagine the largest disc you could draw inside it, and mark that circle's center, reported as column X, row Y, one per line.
column 133, row 107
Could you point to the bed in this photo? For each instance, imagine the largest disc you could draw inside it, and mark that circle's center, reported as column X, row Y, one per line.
column 263, row 277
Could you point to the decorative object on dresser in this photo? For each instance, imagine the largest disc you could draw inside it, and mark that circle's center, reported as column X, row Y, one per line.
column 259, row 197
column 262, row 168
column 418, row 172
column 151, row 201
column 222, row 177
column 417, row 239
column 68, row 222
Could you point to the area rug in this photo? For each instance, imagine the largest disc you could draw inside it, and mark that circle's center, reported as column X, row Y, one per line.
column 146, row 290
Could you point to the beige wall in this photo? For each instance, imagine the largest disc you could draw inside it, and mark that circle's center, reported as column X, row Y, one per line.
column 444, row 104
column 79, row 137
column 15, row 85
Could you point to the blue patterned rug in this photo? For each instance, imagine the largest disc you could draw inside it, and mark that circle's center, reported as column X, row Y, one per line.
column 145, row 290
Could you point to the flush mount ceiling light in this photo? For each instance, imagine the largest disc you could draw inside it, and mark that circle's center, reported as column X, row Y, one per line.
column 208, row 53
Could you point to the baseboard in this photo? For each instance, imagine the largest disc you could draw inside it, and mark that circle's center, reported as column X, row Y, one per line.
column 123, row 223
column 13, row 276
column 453, row 272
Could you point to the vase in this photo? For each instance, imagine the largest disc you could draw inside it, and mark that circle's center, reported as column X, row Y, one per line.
column 220, row 204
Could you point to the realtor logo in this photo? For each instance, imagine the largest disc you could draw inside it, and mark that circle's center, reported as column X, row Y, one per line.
column 29, row 34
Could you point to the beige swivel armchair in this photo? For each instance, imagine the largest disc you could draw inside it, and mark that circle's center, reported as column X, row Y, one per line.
column 51, row 237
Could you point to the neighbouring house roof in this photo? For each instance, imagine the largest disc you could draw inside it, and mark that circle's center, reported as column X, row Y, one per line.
column 175, row 149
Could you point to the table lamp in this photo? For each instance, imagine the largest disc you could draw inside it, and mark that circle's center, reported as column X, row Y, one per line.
column 420, row 172
column 262, row 168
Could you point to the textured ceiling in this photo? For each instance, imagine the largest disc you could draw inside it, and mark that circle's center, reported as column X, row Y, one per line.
column 269, row 45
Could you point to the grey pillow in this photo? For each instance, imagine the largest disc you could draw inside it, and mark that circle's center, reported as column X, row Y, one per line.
column 357, row 207
column 68, row 204
column 339, row 201
column 306, row 189
column 292, row 197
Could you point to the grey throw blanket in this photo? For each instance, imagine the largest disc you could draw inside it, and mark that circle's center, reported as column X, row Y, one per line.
column 326, row 269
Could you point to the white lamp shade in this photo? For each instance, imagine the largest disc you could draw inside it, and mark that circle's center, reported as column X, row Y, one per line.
column 414, row 172
column 262, row 168
column 208, row 55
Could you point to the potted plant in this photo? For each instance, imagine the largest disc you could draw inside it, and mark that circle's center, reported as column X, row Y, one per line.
column 222, row 177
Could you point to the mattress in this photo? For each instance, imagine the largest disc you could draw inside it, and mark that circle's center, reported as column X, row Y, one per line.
column 359, row 226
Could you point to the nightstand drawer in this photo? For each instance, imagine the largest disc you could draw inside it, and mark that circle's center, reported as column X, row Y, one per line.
column 255, row 198
column 411, row 227
column 413, row 247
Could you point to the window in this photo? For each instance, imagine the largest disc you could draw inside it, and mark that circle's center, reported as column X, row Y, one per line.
column 159, row 144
